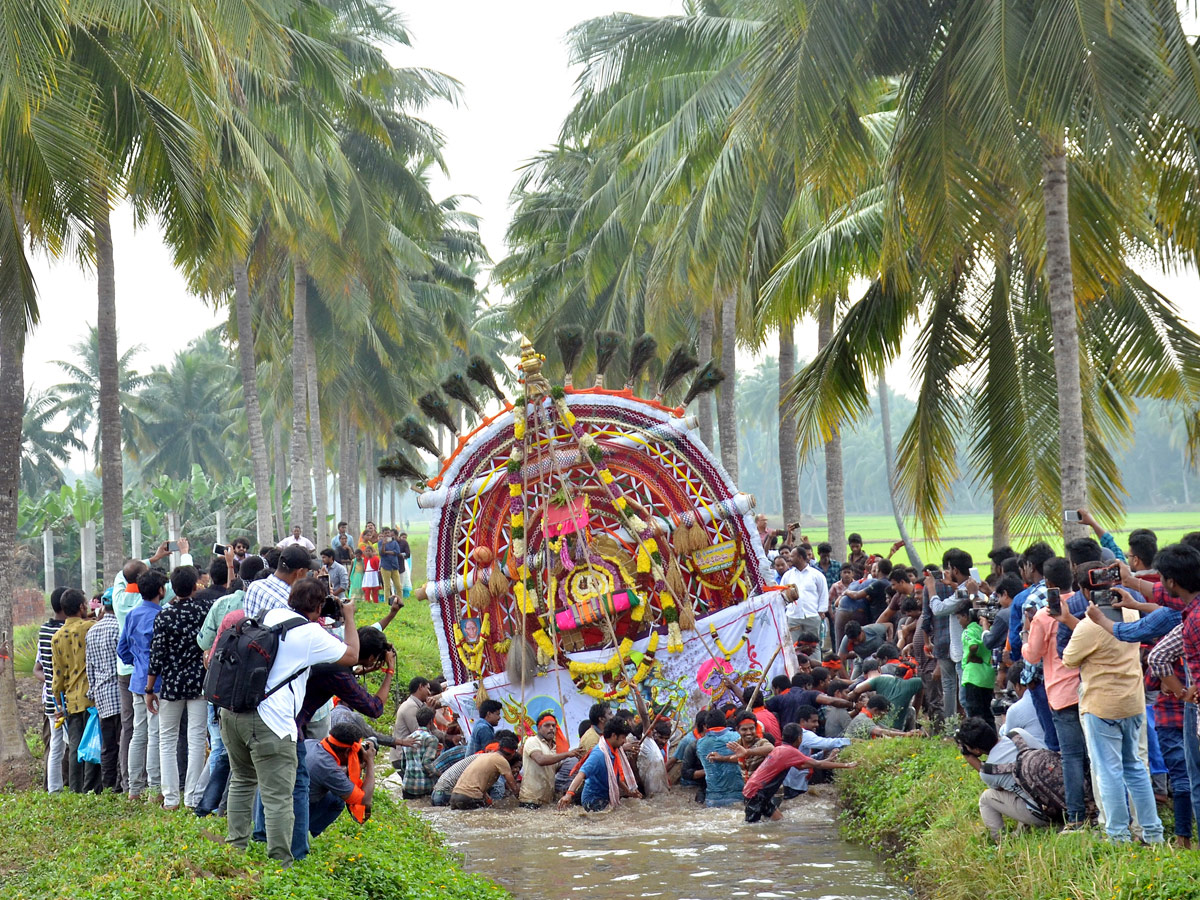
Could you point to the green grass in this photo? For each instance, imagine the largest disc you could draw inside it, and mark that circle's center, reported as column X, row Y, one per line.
column 89, row 847
column 916, row 801
column 973, row 533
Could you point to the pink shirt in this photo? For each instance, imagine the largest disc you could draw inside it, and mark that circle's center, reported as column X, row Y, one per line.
column 1062, row 684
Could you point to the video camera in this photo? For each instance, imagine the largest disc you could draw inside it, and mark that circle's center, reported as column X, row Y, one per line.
column 331, row 608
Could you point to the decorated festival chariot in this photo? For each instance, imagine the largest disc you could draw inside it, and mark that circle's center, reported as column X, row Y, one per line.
column 586, row 545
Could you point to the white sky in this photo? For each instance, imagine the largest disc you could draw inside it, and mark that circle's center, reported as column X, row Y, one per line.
column 512, row 62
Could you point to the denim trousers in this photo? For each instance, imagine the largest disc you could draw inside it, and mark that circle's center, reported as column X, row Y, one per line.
column 1042, row 706
column 949, row 670
column 1172, row 744
column 1121, row 771
column 1069, row 731
column 1191, row 752
column 218, row 767
column 324, row 813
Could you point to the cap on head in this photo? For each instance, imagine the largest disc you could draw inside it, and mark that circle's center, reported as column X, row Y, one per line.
column 295, row 559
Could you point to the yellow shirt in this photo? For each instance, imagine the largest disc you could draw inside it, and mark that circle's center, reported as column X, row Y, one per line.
column 537, row 781
column 68, row 650
column 1110, row 672
column 590, row 739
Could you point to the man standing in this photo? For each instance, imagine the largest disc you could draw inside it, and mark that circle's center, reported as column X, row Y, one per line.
column 261, row 743
column 133, row 649
column 57, row 749
column 405, row 568
column 68, row 650
column 1112, row 705
column 941, row 605
column 829, row 567
column 274, row 591
column 101, row 651
column 807, row 595
column 391, row 564
column 1024, row 605
column 343, row 544
column 339, row 579
column 296, row 539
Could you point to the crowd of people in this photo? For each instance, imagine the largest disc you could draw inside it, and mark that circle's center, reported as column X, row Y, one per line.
column 1068, row 680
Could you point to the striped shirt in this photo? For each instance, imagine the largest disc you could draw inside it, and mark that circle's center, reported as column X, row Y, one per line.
column 101, row 649
column 266, row 594
column 45, row 633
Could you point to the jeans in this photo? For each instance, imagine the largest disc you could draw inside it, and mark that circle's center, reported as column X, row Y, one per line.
column 218, row 767
column 258, row 757
column 1120, row 770
column 170, row 712
column 83, row 778
column 126, row 729
column 143, row 748
column 949, row 670
column 54, row 759
column 1157, row 765
column 299, row 809
column 1069, row 731
column 1191, row 752
column 324, row 813
column 1042, row 706
column 110, row 738
column 1172, row 744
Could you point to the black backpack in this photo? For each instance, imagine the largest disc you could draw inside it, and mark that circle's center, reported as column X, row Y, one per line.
column 242, row 661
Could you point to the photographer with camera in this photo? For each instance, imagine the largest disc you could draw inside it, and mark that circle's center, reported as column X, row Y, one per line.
column 1034, row 804
column 341, row 775
column 1040, row 646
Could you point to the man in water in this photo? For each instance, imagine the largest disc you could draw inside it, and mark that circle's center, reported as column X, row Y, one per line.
column 607, row 774
column 474, row 785
column 722, row 776
column 539, row 762
column 759, row 792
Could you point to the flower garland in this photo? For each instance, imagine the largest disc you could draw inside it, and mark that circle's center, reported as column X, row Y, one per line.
column 712, row 630
column 611, row 664
column 649, row 559
column 472, row 655
column 598, row 690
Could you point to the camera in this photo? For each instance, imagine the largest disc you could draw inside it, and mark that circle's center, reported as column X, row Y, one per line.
column 1001, row 703
column 1104, row 577
column 372, row 740
column 960, row 593
column 332, row 608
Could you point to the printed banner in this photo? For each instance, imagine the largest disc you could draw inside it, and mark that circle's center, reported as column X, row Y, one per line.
column 737, row 642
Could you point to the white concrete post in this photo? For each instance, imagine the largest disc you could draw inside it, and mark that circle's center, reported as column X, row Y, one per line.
column 87, row 559
column 173, row 535
column 220, row 526
column 135, row 538
column 48, row 555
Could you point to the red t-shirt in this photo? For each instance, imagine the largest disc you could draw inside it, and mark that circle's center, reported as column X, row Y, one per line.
column 778, row 761
column 769, row 723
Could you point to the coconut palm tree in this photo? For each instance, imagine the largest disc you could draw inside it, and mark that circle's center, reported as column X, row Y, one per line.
column 79, row 396
column 43, row 449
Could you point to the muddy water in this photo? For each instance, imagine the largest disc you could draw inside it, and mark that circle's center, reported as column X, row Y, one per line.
column 673, row 849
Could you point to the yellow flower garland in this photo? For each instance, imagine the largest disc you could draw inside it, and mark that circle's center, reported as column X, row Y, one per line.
column 712, row 629
column 611, row 664
column 597, row 690
column 472, row 657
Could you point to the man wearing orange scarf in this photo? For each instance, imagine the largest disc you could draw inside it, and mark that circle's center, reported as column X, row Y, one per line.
column 341, row 772
column 541, row 756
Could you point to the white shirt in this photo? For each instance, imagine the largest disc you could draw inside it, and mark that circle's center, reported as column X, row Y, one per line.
column 302, row 541
column 1023, row 715
column 299, row 649
column 813, row 592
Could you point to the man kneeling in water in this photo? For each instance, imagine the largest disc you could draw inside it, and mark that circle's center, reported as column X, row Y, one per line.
column 762, row 786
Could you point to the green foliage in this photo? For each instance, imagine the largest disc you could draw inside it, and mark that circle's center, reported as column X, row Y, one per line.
column 916, row 801
column 101, row 847
column 25, row 639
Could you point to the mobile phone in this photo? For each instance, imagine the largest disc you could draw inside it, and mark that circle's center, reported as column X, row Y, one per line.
column 173, row 546
column 219, row 549
column 1071, row 515
column 1054, row 601
column 974, row 573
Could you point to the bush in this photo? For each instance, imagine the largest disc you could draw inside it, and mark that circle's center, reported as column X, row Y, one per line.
column 86, row 848
column 916, row 801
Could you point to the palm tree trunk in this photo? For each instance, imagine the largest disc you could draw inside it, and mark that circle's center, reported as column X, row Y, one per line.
column 14, row 754
column 369, row 482
column 889, row 458
column 704, row 408
column 1001, row 534
column 280, row 478
column 301, row 475
column 343, row 478
column 789, row 464
column 835, row 488
column 727, row 391
column 260, row 467
column 112, row 489
column 1060, row 282
column 316, row 436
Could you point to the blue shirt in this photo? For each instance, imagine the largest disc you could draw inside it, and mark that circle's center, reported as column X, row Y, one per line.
column 595, row 784
column 133, row 648
column 389, row 556
column 482, row 734
column 1016, row 617
column 1149, row 627
column 685, row 752
column 723, row 781
column 812, row 744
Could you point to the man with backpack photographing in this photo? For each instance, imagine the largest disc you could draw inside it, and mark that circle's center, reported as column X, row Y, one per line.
column 1024, row 780
column 257, row 676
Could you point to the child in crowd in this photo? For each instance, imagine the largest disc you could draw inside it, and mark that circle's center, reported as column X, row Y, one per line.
column 371, row 580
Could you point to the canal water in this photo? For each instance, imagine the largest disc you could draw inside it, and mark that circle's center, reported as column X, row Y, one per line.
column 672, row 848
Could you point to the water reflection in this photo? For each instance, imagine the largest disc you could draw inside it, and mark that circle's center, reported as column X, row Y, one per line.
column 671, row 848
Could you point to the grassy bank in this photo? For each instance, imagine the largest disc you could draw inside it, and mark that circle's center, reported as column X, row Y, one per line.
column 916, row 800
column 105, row 847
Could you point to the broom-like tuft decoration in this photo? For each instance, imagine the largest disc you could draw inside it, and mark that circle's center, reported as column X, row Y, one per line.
column 607, row 345
column 398, row 466
column 679, row 363
column 481, row 694
column 498, row 583
column 456, row 387
column 481, row 373
column 521, row 664
column 413, row 432
column 434, row 406
column 640, row 354
column 570, row 345
column 706, row 381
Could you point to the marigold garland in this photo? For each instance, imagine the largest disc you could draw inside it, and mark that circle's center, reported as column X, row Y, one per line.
column 611, row 664
column 472, row 655
column 712, row 630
